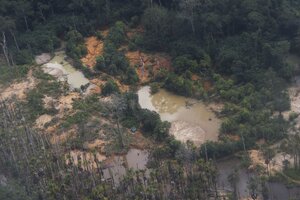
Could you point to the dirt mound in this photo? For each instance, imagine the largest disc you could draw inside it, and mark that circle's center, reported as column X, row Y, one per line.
column 94, row 48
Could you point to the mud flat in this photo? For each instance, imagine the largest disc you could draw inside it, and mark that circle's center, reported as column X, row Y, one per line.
column 190, row 119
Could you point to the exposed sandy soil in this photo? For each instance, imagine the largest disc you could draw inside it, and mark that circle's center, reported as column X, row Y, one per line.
column 94, row 48
column 92, row 89
column 64, row 107
column 84, row 156
column 62, row 104
column 42, row 120
column 148, row 65
column 275, row 164
column 100, row 83
column 66, row 102
column 19, row 89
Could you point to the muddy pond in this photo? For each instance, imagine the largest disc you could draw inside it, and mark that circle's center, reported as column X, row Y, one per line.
column 64, row 71
column 190, row 119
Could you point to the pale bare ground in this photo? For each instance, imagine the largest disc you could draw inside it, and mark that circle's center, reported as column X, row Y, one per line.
column 42, row 120
column 65, row 103
column 64, row 106
column 89, row 158
column 19, row 90
column 275, row 164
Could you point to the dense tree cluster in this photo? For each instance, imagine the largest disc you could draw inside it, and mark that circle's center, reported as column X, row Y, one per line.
column 238, row 46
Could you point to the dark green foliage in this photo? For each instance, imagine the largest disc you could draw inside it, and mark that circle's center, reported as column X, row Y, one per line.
column 117, row 34
column 244, row 41
column 152, row 125
column 110, row 87
column 99, row 35
column 113, row 61
column 157, row 22
column 39, row 41
column 23, row 57
column 8, row 74
column 131, row 76
column 184, row 63
column 154, row 88
column 75, row 45
column 135, row 42
column 184, row 86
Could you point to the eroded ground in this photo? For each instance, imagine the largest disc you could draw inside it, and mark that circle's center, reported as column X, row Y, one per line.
column 18, row 90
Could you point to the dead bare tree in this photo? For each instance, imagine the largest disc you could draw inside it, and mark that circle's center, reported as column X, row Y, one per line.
column 188, row 9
